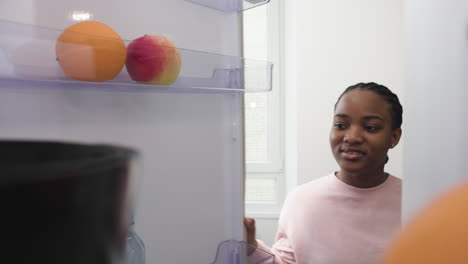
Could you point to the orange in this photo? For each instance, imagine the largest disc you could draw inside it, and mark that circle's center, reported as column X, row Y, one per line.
column 438, row 234
column 90, row 51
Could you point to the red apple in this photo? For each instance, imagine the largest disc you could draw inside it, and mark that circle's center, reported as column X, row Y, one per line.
column 153, row 59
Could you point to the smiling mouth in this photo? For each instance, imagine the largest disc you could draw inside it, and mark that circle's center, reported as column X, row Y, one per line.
column 352, row 155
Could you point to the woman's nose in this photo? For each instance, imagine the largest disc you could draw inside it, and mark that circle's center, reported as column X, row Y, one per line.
column 353, row 136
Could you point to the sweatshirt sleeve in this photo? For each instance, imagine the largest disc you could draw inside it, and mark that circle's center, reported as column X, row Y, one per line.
column 282, row 248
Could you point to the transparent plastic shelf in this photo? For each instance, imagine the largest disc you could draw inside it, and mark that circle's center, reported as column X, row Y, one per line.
column 230, row 5
column 27, row 54
column 240, row 252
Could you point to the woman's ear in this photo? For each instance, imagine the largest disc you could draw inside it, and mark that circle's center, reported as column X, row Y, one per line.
column 396, row 134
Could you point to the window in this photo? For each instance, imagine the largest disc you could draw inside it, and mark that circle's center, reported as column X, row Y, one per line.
column 264, row 114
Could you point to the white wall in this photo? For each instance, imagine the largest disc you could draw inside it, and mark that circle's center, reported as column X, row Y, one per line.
column 437, row 79
column 330, row 45
column 339, row 43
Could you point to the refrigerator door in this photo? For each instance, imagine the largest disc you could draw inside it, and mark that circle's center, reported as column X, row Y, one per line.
column 436, row 143
column 191, row 193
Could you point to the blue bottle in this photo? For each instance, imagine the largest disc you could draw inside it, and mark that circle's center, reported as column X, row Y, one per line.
column 135, row 247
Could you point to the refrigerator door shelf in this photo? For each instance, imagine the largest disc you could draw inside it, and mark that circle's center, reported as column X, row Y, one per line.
column 27, row 52
column 230, row 5
column 240, row 252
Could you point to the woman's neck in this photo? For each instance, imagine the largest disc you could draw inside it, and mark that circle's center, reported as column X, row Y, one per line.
column 362, row 180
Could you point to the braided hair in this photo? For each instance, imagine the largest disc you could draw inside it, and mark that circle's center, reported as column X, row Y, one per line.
column 389, row 96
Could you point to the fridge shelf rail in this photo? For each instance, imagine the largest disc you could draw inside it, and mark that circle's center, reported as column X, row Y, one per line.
column 28, row 54
column 230, row 6
column 241, row 252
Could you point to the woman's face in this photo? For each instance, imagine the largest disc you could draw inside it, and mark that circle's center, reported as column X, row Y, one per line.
column 362, row 132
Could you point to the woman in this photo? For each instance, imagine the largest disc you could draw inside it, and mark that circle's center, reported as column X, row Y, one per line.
column 350, row 215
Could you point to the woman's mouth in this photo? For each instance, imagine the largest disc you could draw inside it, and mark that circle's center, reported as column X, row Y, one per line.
column 352, row 154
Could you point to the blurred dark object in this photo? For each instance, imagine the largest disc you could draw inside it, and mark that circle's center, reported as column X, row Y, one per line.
column 64, row 203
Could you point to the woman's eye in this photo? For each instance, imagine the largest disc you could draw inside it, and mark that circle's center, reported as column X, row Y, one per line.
column 339, row 126
column 371, row 128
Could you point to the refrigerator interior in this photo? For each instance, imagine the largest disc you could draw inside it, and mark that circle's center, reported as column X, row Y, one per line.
column 190, row 134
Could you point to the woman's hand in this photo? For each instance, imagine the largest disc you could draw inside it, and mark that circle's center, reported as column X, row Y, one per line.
column 249, row 224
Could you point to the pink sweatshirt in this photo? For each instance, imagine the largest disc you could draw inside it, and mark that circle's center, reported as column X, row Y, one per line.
column 327, row 221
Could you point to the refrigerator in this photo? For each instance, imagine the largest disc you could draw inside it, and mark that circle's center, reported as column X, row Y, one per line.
column 190, row 196
column 435, row 99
